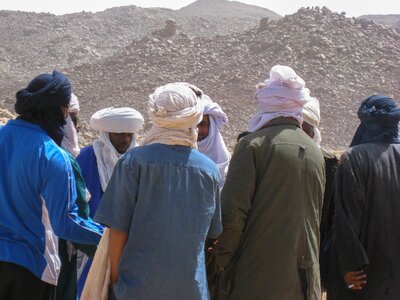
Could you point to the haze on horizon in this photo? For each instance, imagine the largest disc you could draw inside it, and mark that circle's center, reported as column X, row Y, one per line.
column 283, row 7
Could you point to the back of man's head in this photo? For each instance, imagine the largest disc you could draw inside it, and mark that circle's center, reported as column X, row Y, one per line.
column 175, row 110
column 42, row 102
column 379, row 116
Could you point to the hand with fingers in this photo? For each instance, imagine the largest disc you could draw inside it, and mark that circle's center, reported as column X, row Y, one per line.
column 355, row 280
column 213, row 247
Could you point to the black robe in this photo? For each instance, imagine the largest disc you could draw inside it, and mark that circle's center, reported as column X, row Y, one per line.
column 367, row 222
column 328, row 210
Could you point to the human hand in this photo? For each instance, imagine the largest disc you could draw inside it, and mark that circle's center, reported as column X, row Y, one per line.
column 355, row 280
column 213, row 248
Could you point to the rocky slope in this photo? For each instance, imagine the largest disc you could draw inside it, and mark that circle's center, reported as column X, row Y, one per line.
column 388, row 20
column 32, row 43
column 397, row 26
column 339, row 58
column 231, row 9
column 343, row 60
column 5, row 115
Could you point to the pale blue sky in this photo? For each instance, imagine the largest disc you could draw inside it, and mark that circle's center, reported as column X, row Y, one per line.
column 351, row 7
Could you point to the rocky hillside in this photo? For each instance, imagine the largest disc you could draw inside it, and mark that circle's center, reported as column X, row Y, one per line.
column 343, row 60
column 31, row 42
column 339, row 58
column 388, row 20
column 225, row 8
column 5, row 115
column 397, row 26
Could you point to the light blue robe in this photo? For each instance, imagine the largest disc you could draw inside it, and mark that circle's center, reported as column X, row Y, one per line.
column 166, row 198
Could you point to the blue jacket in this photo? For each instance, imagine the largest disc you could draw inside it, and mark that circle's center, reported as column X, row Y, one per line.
column 37, row 201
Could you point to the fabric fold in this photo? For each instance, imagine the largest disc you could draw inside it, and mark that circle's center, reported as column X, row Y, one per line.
column 282, row 95
column 175, row 111
column 213, row 146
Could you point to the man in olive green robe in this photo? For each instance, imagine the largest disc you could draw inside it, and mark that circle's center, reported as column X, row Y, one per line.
column 272, row 201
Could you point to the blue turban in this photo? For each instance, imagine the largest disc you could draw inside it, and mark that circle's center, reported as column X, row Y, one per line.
column 41, row 101
column 379, row 116
column 43, row 92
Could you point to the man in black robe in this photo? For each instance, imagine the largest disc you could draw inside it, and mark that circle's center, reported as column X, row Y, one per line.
column 365, row 260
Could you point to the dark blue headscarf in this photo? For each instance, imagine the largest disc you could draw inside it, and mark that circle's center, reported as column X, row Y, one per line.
column 41, row 101
column 379, row 116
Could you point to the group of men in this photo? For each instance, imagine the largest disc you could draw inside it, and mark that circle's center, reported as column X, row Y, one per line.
column 271, row 209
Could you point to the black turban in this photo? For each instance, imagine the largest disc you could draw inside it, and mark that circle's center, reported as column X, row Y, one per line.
column 41, row 102
column 379, row 116
column 43, row 92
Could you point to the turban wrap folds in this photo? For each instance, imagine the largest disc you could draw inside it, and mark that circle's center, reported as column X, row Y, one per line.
column 175, row 110
column 213, row 146
column 41, row 101
column 74, row 104
column 312, row 116
column 282, row 95
column 379, row 116
column 70, row 139
column 115, row 120
column 44, row 92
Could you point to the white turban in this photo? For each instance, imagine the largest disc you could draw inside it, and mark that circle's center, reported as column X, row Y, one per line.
column 74, row 104
column 116, row 120
column 282, row 95
column 311, row 115
column 70, row 139
column 175, row 111
column 213, row 146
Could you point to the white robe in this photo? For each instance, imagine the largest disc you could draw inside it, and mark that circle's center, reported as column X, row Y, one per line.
column 213, row 146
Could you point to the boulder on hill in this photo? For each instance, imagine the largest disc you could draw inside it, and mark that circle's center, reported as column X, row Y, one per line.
column 168, row 31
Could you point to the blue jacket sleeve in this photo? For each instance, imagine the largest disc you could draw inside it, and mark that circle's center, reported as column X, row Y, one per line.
column 58, row 195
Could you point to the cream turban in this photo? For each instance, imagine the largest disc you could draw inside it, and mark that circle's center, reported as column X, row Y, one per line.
column 311, row 115
column 74, row 104
column 175, row 111
column 282, row 95
column 70, row 139
column 311, row 112
column 115, row 120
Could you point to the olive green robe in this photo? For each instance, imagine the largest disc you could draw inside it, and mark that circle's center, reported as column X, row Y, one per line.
column 271, row 210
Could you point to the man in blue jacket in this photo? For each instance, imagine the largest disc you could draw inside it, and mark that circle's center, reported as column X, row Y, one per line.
column 37, row 192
